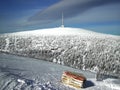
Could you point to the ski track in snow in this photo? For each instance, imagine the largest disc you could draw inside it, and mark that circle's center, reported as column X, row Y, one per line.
column 21, row 73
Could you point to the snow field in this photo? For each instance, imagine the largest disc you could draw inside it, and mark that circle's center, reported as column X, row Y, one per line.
column 21, row 73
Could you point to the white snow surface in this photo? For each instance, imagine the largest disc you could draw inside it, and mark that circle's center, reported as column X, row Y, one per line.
column 113, row 83
column 21, row 73
column 55, row 31
column 58, row 31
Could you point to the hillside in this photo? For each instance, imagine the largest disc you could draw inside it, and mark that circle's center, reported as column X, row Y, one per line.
column 22, row 73
column 74, row 47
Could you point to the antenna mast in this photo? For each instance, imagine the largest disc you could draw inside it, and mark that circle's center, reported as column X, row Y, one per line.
column 62, row 21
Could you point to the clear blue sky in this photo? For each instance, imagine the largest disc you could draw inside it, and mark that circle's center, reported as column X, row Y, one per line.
column 97, row 15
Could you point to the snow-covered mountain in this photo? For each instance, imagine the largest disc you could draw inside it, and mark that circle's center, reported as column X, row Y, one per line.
column 74, row 47
column 62, row 31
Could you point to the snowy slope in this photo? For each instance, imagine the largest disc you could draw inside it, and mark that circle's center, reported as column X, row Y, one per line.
column 73, row 47
column 62, row 31
column 20, row 73
column 56, row 31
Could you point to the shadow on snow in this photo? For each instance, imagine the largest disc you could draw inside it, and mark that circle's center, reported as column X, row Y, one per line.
column 88, row 84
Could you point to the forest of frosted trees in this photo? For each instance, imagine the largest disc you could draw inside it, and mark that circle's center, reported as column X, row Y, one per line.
column 75, row 51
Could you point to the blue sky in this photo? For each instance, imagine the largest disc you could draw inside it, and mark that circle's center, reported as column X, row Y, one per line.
column 96, row 15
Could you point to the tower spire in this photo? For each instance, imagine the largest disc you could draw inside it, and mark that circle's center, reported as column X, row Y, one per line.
column 62, row 21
